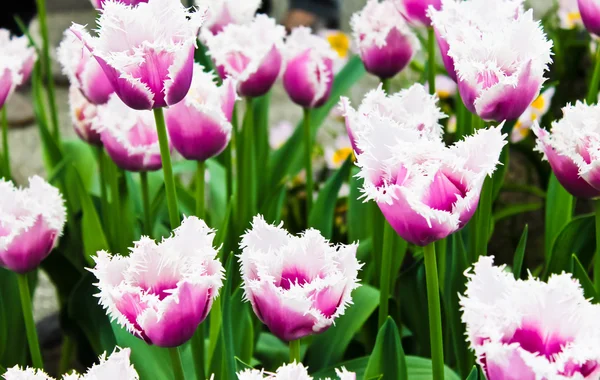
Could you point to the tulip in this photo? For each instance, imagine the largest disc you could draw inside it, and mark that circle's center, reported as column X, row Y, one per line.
column 569, row 148
column 83, row 114
column 590, row 15
column 200, row 126
column 224, row 12
column 162, row 292
column 297, row 285
column 129, row 136
column 308, row 74
column 83, row 71
column 292, row 371
column 535, row 112
column 31, row 221
column 250, row 54
column 530, row 329
column 116, row 366
column 385, row 42
column 568, row 14
column 99, row 4
column 415, row 11
column 16, row 62
column 146, row 51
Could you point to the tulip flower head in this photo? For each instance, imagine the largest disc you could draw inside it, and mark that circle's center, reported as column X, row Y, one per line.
column 221, row 13
column 308, row 74
column 98, row 4
column 146, row 51
column 590, row 15
column 415, row 11
column 162, row 292
column 572, row 149
column 83, row 114
column 530, row 329
column 535, row 112
column 498, row 52
column 129, row 136
column 200, row 126
column 82, row 69
column 385, row 41
column 16, row 62
column 298, row 285
column 250, row 54
column 116, row 366
column 292, row 371
column 31, row 221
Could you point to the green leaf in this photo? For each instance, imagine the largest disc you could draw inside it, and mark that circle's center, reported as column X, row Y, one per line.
column 13, row 347
column 576, row 237
column 520, row 253
column 580, row 273
column 272, row 208
column 329, row 347
column 227, row 325
column 498, row 178
column 358, row 211
column 243, row 331
column 387, row 359
column 474, row 375
column 358, row 366
column 217, row 205
column 85, row 162
column 420, row 369
column 559, row 212
column 515, row 209
column 323, row 212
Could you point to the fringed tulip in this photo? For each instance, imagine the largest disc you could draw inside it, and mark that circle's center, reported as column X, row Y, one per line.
column 590, row 15
column 99, row 4
column 200, row 126
column 292, row 371
column 415, row 11
column 83, row 114
column 221, row 13
column 16, row 62
column 146, row 51
column 412, row 109
column 530, row 329
column 535, row 112
column 162, row 292
column 117, row 366
column 31, row 221
column 129, row 136
column 298, row 285
column 308, row 74
column 83, row 71
column 250, row 54
column 385, row 41
column 571, row 148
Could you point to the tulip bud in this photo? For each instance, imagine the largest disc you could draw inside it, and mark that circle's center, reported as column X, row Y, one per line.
column 590, row 15
column 83, row 114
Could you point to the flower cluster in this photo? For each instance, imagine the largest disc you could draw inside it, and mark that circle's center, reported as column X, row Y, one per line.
column 293, row 371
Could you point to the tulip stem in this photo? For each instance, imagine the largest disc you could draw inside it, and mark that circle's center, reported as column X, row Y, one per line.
column 295, row 351
column 200, row 189
column 68, row 347
column 385, row 85
column 32, row 338
column 592, row 96
column 176, row 363
column 597, row 257
column 146, row 203
column 165, row 155
column 116, row 208
column 435, row 314
column 7, row 174
column 431, row 59
column 386, row 266
column 308, row 161
column 198, row 352
column 103, row 195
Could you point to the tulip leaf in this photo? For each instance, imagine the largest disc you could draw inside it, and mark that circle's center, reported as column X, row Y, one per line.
column 559, row 212
column 13, row 350
column 387, row 358
column 474, row 375
column 516, row 209
column 576, row 237
column 273, row 206
column 498, row 177
column 227, row 324
column 329, row 347
column 580, row 273
column 217, row 204
column 358, row 211
column 243, row 330
column 520, row 253
column 84, row 161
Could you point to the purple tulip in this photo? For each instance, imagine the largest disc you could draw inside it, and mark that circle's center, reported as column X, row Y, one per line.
column 590, row 15
column 415, row 11
column 221, row 13
column 99, row 4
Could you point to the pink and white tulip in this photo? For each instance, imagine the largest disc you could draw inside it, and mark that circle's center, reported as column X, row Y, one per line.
column 82, row 69
column 573, row 149
column 292, row 371
column 415, row 11
column 385, row 41
column 146, row 51
column 412, row 109
column 221, row 13
column 590, row 15
column 308, row 74
column 99, row 4
column 116, row 366
column 298, row 285
column 162, row 292
column 83, row 114
column 31, row 221
column 200, row 126
column 16, row 62
column 250, row 54
column 530, row 329
column 129, row 136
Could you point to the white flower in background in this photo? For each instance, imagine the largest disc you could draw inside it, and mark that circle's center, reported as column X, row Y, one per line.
column 337, row 151
column 221, row 13
column 292, row 371
column 280, row 133
column 341, row 43
column 535, row 112
column 568, row 14
column 445, row 87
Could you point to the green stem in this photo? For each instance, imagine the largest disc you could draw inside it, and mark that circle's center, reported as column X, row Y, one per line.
column 386, row 266
column 483, row 215
column 431, row 60
column 385, row 84
column 214, row 328
column 66, row 355
column 176, row 363
column 246, row 191
column 165, row 155
column 597, row 258
column 435, row 313
column 32, row 338
column 115, row 199
column 7, row 173
column 592, row 96
column 198, row 352
column 100, row 157
column 308, row 161
column 200, row 189
column 146, row 203
column 295, row 351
